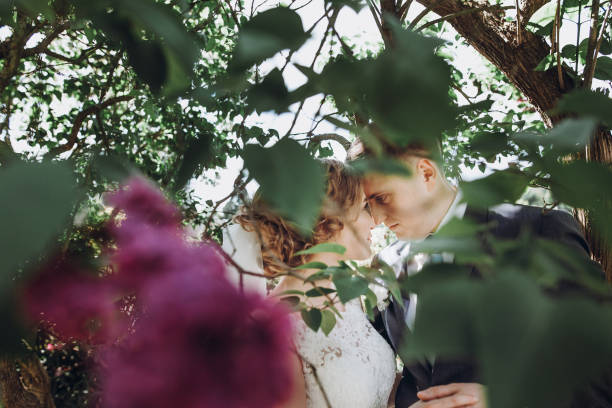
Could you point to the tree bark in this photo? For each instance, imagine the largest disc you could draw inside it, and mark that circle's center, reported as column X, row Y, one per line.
column 29, row 387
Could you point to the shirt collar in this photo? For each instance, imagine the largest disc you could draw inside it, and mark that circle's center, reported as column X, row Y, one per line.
column 456, row 209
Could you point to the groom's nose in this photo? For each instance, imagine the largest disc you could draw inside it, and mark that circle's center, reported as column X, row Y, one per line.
column 377, row 215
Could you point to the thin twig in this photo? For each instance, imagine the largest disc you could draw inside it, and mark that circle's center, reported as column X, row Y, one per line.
column 403, row 10
column 314, row 373
column 518, row 23
column 578, row 23
column 375, row 14
column 422, row 14
column 557, row 45
column 601, row 35
column 589, row 68
column 238, row 186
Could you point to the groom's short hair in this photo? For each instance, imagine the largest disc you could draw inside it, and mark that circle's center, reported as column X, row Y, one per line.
column 359, row 150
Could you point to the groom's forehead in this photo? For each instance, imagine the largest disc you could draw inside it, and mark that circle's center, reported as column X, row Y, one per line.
column 377, row 183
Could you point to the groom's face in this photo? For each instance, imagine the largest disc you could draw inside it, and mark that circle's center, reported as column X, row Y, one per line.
column 403, row 203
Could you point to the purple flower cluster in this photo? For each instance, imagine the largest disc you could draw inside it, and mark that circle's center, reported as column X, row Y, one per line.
column 197, row 340
column 79, row 304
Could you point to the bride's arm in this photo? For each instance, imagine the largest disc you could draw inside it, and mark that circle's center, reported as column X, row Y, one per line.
column 298, row 391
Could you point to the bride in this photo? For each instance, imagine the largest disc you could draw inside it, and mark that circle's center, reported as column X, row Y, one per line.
column 353, row 366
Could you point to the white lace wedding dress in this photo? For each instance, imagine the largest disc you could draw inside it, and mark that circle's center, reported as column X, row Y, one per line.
column 354, row 364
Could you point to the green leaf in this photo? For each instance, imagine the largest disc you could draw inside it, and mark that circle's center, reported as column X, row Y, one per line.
column 571, row 135
column 312, row 318
column 199, row 153
column 603, row 69
column 312, row 265
column 270, row 94
column 519, row 345
column 383, row 166
column 489, row 144
column 113, row 168
column 388, row 276
column 328, row 321
column 404, row 90
column 291, row 292
column 547, row 63
column 319, row 291
column 569, row 51
column 501, row 186
column 587, row 103
column 370, row 296
column 266, row 34
column 36, row 7
column 36, row 204
column 322, row 248
column 585, row 185
column 348, row 286
column 356, row 5
column 290, row 179
column 324, row 274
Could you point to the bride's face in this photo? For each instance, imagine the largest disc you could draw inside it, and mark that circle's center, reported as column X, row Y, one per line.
column 355, row 236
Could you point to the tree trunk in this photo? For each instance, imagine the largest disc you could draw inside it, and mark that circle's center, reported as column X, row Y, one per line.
column 29, row 387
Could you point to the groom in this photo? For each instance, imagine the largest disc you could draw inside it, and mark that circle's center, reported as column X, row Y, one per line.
column 416, row 207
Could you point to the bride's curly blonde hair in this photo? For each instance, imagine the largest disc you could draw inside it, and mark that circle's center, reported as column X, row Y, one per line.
column 281, row 240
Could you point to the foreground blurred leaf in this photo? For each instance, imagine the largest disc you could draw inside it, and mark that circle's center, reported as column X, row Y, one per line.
column 36, row 204
column 569, row 136
column 291, row 181
column 519, row 336
column 405, row 90
column 585, row 185
column 383, row 166
column 499, row 187
column 113, row 168
column 165, row 57
column 270, row 94
column 587, row 103
column 489, row 144
column 266, row 34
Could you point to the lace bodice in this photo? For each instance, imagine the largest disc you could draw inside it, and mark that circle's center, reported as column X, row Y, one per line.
column 355, row 365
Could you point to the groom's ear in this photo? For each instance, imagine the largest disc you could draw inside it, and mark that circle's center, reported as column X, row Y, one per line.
column 427, row 170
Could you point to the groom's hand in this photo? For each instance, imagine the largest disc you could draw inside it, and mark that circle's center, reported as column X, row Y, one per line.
column 452, row 395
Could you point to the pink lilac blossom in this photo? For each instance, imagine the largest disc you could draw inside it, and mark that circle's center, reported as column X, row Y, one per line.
column 198, row 341
column 202, row 343
column 144, row 202
column 143, row 253
column 78, row 304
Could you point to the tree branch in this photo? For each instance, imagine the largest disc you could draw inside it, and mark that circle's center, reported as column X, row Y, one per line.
column 461, row 13
column 494, row 37
column 528, row 8
column 318, row 139
column 44, row 44
column 78, row 122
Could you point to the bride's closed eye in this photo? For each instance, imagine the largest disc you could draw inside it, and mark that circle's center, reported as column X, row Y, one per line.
column 366, row 208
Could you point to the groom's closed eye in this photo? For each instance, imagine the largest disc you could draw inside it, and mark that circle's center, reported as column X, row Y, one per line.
column 380, row 199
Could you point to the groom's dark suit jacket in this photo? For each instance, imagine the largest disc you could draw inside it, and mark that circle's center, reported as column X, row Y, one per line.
column 506, row 221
